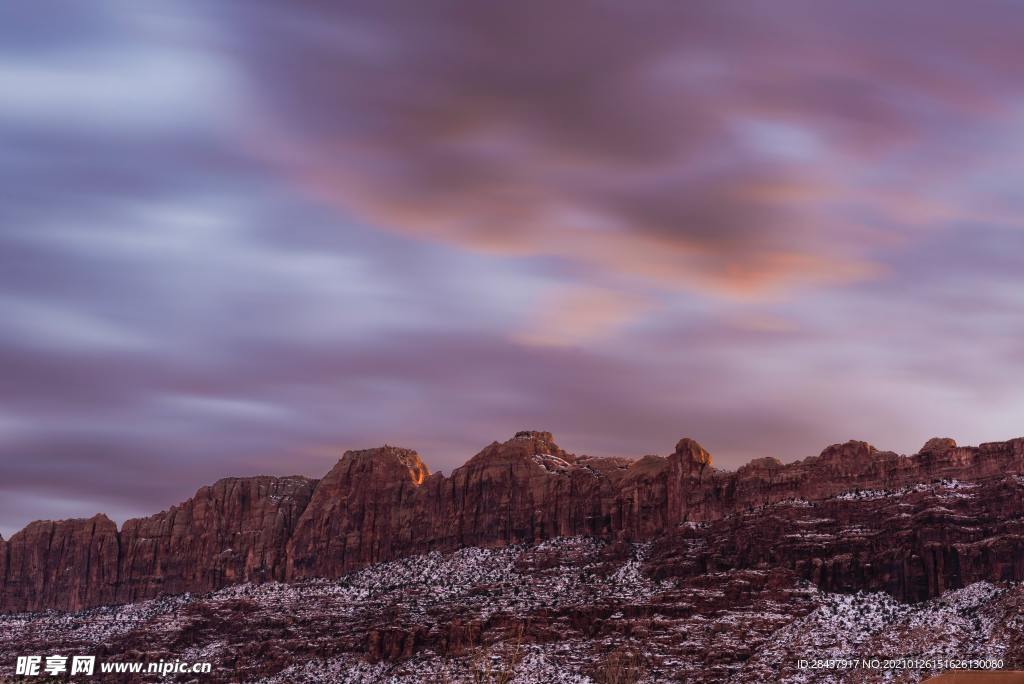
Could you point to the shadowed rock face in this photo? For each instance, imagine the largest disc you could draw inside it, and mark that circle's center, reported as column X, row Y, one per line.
column 234, row 531
column 381, row 504
column 914, row 542
column 567, row 609
column 64, row 565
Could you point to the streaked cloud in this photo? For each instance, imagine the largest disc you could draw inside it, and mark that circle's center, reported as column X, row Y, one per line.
column 579, row 316
column 698, row 145
column 239, row 239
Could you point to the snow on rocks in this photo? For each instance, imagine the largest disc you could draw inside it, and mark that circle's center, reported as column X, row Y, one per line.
column 967, row 623
column 568, row 610
column 942, row 488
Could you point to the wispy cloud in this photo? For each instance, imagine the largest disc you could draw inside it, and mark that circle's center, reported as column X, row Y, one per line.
column 241, row 238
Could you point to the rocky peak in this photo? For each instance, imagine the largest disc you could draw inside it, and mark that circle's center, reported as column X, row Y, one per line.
column 539, row 442
column 387, row 457
column 531, row 445
column 761, row 464
column 938, row 446
column 534, row 434
column 691, row 454
column 688, row 466
column 100, row 519
column 850, row 450
column 646, row 466
column 418, row 471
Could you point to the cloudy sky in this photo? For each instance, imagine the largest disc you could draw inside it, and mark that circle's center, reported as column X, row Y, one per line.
column 239, row 238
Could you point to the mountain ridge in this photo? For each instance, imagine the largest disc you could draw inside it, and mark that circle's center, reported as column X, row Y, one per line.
column 381, row 504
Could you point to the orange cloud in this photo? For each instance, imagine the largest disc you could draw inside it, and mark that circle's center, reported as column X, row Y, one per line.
column 577, row 316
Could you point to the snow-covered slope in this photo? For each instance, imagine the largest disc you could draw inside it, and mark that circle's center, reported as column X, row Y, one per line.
column 568, row 610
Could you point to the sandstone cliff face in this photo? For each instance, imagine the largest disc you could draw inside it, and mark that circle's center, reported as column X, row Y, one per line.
column 233, row 531
column 690, row 473
column 381, row 504
column 913, row 542
column 844, row 467
column 64, row 565
column 364, row 509
column 524, row 490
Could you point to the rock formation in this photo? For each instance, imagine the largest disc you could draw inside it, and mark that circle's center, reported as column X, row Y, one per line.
column 913, row 542
column 234, row 531
column 381, row 504
column 63, row 565
column 362, row 510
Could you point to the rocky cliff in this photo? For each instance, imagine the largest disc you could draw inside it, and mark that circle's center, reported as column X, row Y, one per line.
column 63, row 565
column 912, row 542
column 381, row 504
column 234, row 531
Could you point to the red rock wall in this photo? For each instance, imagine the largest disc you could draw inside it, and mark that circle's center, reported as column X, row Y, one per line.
column 845, row 467
column 381, row 504
column 64, row 565
column 362, row 510
column 914, row 544
column 234, row 531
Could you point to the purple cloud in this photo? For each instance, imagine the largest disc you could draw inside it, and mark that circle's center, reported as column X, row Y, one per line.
column 240, row 240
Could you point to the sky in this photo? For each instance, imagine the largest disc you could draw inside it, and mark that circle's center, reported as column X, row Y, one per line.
column 241, row 238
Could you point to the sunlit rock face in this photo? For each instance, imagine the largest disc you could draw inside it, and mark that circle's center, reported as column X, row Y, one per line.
column 382, row 504
column 363, row 510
